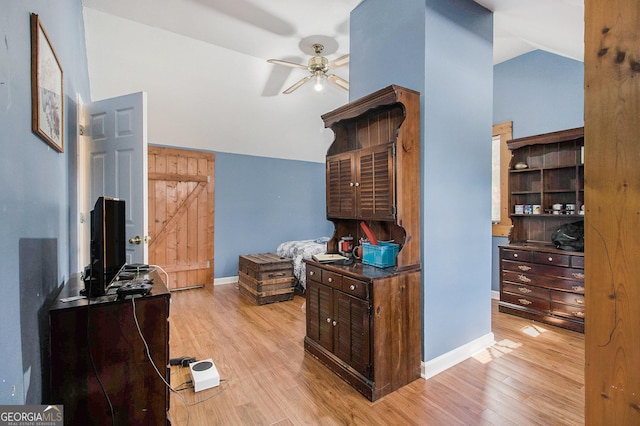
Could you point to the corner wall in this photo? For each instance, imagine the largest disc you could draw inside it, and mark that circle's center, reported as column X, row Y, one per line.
column 36, row 198
column 444, row 50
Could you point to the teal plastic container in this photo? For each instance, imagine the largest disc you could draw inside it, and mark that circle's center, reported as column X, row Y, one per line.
column 381, row 256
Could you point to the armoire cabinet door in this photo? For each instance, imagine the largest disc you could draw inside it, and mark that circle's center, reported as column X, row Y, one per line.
column 352, row 334
column 375, row 195
column 341, row 195
column 320, row 314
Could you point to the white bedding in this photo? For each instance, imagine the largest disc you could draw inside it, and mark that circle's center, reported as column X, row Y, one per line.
column 299, row 250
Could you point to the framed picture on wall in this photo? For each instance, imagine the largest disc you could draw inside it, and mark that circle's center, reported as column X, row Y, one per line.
column 47, row 98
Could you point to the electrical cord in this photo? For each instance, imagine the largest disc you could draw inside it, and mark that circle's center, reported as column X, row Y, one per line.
column 148, row 352
column 93, row 364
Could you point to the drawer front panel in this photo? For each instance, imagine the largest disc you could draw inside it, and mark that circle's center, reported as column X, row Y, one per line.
column 526, row 301
column 526, row 290
column 314, row 273
column 332, row 279
column 571, row 311
column 543, row 281
column 355, row 287
column 567, row 298
column 577, row 262
column 549, row 271
column 513, row 254
column 552, row 258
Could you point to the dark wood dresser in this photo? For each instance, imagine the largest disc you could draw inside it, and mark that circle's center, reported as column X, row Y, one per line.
column 364, row 323
column 546, row 190
column 544, row 284
column 106, row 329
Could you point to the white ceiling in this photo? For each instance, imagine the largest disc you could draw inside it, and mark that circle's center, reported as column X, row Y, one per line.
column 286, row 29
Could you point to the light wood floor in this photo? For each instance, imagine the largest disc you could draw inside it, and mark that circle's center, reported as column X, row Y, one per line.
column 532, row 376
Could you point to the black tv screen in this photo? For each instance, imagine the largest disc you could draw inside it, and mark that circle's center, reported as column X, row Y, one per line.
column 108, row 244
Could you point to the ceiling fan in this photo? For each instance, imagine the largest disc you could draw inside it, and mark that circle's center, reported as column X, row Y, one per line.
column 319, row 67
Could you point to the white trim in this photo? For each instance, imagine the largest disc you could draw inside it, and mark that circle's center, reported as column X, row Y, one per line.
column 225, row 280
column 495, row 294
column 439, row 364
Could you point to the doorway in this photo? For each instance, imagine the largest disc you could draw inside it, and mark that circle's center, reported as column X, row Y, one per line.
column 181, row 211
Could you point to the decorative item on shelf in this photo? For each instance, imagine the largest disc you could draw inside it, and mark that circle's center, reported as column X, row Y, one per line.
column 382, row 255
column 519, row 209
column 557, row 208
column 520, row 166
column 528, row 209
column 570, row 209
column 537, row 209
column 345, row 246
column 582, row 210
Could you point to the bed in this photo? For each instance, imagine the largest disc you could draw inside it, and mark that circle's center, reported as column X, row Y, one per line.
column 300, row 250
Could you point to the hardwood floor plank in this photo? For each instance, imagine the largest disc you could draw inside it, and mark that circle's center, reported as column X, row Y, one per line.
column 533, row 375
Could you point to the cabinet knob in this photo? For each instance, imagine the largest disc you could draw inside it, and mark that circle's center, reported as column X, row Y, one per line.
column 550, row 259
column 335, row 323
column 351, row 184
column 352, row 287
column 357, row 183
column 330, row 279
column 312, row 273
column 329, row 320
column 515, row 254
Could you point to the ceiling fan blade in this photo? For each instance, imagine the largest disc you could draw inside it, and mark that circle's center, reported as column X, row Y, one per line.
column 286, row 63
column 339, row 81
column 298, row 84
column 339, row 62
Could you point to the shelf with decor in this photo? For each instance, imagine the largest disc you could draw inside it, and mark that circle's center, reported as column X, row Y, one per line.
column 546, row 191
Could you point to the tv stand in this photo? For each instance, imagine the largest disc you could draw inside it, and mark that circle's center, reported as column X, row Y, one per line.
column 105, row 327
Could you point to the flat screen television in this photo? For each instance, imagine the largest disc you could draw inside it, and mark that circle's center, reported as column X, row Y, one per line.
column 108, row 245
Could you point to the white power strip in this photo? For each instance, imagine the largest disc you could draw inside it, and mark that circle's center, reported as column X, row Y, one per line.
column 204, row 374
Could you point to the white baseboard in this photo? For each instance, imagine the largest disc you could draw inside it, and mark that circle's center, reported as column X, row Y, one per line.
column 495, row 294
column 225, row 280
column 439, row 364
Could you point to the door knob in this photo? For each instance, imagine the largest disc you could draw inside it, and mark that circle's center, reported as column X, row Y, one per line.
column 135, row 240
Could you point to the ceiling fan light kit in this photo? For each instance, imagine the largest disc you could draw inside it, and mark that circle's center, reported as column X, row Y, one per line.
column 318, row 66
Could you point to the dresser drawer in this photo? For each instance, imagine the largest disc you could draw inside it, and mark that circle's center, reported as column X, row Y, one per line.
column 577, row 262
column 552, row 258
column 571, row 311
column 332, row 279
column 314, row 273
column 514, row 254
column 543, row 281
column 543, row 270
column 525, row 290
column 355, row 287
column 567, row 298
column 526, row 301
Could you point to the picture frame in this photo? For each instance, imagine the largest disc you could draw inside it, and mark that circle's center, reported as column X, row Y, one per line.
column 47, row 84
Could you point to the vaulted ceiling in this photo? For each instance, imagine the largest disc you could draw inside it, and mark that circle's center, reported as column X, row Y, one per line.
column 286, row 29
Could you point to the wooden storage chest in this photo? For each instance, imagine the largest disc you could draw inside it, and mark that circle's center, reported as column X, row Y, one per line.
column 266, row 277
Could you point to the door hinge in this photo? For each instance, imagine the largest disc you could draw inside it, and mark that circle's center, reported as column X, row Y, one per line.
column 81, row 129
column 393, row 150
column 394, row 210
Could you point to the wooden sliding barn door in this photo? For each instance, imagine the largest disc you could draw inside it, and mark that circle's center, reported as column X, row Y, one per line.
column 181, row 208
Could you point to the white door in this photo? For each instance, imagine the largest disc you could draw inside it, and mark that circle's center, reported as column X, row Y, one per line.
column 117, row 155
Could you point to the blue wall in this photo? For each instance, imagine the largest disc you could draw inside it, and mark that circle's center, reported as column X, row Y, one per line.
column 262, row 202
column 444, row 50
column 540, row 92
column 35, row 196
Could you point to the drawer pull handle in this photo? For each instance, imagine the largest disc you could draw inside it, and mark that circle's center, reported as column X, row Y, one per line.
column 279, row 274
column 524, row 290
column 312, row 273
column 524, row 279
column 579, row 301
column 330, row 280
column 550, row 259
column 579, row 275
column 579, row 314
column 524, row 268
column 515, row 255
column 578, row 288
column 352, row 287
column 525, row 302
column 328, row 320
